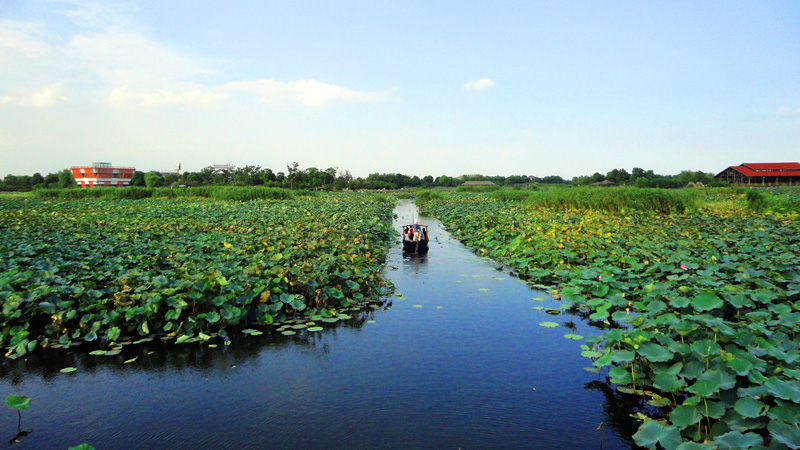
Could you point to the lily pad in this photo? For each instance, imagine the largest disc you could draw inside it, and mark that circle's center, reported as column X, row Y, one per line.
column 314, row 328
column 575, row 337
column 68, row 369
column 289, row 333
column 18, row 402
column 548, row 324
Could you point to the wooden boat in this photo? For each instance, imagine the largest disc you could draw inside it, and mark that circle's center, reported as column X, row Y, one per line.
column 415, row 238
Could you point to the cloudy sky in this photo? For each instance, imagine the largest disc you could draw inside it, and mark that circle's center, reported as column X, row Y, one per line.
column 417, row 87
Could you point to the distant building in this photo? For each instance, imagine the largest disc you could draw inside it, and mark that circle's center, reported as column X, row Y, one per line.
column 761, row 173
column 102, row 174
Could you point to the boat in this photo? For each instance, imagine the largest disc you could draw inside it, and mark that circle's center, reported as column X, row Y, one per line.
column 415, row 238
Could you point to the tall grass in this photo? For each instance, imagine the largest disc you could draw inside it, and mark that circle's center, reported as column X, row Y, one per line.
column 426, row 196
column 616, row 199
column 508, row 195
column 477, row 188
column 227, row 193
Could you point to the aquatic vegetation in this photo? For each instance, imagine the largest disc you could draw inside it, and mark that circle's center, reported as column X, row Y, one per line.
column 701, row 311
column 108, row 271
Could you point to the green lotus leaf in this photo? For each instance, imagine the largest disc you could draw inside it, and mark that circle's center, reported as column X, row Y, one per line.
column 68, row 369
column 314, row 328
column 654, row 352
column 212, row 317
column 18, row 402
column 668, row 382
column 695, row 446
column 737, row 440
column 683, row 416
column 786, row 390
column 704, row 388
column 576, row 337
column 706, row 301
column 652, row 433
column 706, row 348
column 548, row 324
column 750, row 407
column 785, row 433
column 618, row 356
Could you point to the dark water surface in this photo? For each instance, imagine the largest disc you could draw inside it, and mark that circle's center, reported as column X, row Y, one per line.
column 459, row 361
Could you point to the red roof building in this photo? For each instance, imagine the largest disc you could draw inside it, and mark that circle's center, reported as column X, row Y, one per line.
column 101, row 175
column 761, row 173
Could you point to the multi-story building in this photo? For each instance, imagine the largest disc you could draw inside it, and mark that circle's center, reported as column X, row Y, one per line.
column 102, row 174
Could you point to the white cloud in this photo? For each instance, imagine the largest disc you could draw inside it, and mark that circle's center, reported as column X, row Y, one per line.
column 20, row 38
column 122, row 97
column 107, row 56
column 307, row 92
column 479, row 84
column 787, row 110
column 43, row 97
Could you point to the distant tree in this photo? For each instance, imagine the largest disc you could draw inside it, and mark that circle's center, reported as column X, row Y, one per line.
column 137, row 179
column 66, row 180
column 553, row 179
column 427, row 180
column 51, row 180
column 37, row 180
column 595, row 178
column 516, row 179
column 153, row 179
column 267, row 176
column 618, row 176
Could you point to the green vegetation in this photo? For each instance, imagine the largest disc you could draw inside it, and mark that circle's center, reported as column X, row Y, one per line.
column 616, row 199
column 701, row 311
column 232, row 193
column 109, row 272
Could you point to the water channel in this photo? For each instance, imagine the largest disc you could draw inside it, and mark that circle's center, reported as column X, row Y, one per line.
column 456, row 359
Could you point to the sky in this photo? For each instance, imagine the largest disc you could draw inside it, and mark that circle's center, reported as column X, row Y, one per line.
column 416, row 87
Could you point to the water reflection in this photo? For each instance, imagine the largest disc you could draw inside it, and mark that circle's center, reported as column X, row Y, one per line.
column 459, row 361
column 415, row 263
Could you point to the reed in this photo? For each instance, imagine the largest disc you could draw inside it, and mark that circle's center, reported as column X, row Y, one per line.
column 616, row 199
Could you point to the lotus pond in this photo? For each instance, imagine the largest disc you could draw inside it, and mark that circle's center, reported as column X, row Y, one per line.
column 700, row 311
column 453, row 357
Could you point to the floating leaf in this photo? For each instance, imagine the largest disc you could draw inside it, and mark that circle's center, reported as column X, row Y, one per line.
column 18, row 402
column 68, row 369
column 314, row 328
column 289, row 333
column 548, row 324
column 128, row 361
column 573, row 336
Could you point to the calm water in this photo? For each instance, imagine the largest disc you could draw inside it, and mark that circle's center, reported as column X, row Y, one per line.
column 459, row 361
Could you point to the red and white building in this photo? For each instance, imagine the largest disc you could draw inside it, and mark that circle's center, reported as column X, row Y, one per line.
column 761, row 173
column 102, row 174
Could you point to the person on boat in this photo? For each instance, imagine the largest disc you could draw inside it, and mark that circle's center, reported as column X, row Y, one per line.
column 416, row 230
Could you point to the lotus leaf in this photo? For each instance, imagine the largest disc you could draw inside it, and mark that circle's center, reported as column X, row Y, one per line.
column 18, row 402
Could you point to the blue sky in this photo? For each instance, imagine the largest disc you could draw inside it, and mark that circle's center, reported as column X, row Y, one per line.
column 417, row 87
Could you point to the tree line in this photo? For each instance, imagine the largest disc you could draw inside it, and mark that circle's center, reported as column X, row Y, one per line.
column 334, row 179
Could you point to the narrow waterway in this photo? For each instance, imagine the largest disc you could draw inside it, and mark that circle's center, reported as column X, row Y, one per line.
column 456, row 359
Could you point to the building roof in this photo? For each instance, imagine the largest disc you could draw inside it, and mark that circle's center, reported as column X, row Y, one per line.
column 786, row 169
